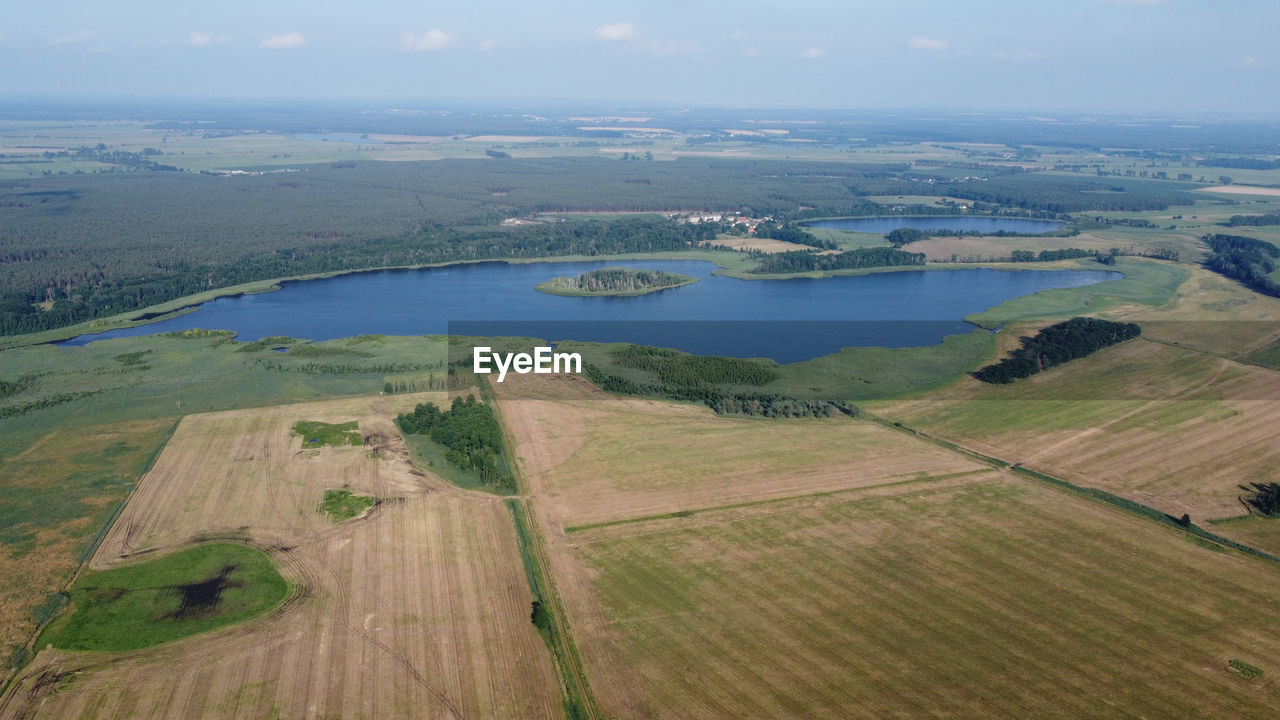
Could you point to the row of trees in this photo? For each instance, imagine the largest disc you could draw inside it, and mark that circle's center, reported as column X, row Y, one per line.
column 798, row 261
column 1245, row 259
column 469, row 432
column 790, row 233
column 721, row 400
column 1254, row 220
column 1057, row 344
column 1051, row 255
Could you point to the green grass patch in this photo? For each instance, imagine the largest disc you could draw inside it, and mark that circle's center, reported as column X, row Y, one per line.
column 175, row 596
column 1247, row 671
column 343, row 505
column 317, row 434
column 431, row 455
column 1145, row 282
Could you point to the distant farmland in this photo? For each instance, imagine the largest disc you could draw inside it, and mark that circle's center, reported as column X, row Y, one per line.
column 909, row 588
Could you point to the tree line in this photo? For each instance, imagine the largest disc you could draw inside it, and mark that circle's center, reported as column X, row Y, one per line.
column 1254, row 220
column 1245, row 259
column 1057, row 344
column 797, row 261
column 790, row 233
column 721, row 400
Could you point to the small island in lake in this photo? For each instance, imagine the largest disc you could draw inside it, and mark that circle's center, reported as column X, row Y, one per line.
column 615, row 281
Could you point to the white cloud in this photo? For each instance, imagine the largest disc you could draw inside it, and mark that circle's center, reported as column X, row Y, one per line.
column 1019, row 55
column 433, row 39
column 98, row 49
column 486, row 45
column 617, row 32
column 1246, row 62
column 813, row 53
column 1149, row 3
column 78, row 36
column 204, row 39
column 923, row 42
column 283, row 41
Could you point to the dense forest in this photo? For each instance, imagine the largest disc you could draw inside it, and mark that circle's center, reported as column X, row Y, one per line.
column 88, row 246
column 470, row 432
column 619, row 280
column 1047, row 193
column 81, row 247
column 1245, row 259
column 796, row 261
column 1057, row 344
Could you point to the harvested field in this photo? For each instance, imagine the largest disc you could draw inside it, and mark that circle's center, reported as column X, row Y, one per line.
column 1166, row 426
column 768, row 245
column 1242, row 190
column 592, row 457
column 420, row 608
column 993, row 598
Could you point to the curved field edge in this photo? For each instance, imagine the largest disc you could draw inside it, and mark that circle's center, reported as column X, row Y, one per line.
column 184, row 593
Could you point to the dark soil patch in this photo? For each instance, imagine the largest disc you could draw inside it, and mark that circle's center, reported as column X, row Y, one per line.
column 201, row 598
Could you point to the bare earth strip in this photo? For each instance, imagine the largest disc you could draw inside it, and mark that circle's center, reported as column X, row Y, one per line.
column 591, row 457
column 768, row 245
column 417, row 610
column 1242, row 190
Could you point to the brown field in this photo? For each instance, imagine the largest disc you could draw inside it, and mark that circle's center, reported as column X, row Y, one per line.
column 768, row 245
column 590, row 457
column 998, row 598
column 1170, row 427
column 838, row 569
column 418, row 609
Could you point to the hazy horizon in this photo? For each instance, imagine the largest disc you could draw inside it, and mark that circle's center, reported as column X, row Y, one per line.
column 1203, row 58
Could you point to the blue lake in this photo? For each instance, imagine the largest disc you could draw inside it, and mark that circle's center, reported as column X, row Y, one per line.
column 974, row 224
column 787, row 320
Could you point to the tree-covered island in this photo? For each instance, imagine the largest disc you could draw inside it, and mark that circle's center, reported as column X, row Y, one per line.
column 615, row 281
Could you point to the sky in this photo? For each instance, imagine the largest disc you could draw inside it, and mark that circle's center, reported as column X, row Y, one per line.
column 1195, row 57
